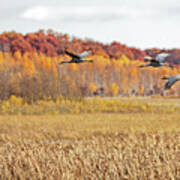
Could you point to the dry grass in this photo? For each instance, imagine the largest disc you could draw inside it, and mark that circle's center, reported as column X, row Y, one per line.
column 17, row 105
column 91, row 146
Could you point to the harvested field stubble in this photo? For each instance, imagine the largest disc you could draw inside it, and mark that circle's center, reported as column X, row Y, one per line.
column 120, row 156
column 38, row 149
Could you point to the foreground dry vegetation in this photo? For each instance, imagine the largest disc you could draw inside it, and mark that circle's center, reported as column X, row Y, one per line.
column 123, row 145
column 119, row 156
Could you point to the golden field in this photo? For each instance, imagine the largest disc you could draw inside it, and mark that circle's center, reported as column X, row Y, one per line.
column 125, row 138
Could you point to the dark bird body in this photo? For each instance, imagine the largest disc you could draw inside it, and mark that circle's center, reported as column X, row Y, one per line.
column 77, row 58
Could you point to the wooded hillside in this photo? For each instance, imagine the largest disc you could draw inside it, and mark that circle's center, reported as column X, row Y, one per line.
column 29, row 68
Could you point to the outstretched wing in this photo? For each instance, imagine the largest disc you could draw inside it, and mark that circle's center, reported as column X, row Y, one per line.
column 161, row 57
column 170, row 82
column 72, row 55
column 84, row 54
column 167, row 85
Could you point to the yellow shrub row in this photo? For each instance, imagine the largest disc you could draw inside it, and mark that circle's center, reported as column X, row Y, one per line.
column 17, row 105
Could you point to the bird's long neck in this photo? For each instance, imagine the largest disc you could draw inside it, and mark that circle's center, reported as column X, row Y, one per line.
column 145, row 65
column 88, row 61
column 64, row 62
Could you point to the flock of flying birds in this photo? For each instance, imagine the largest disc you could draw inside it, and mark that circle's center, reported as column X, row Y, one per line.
column 157, row 61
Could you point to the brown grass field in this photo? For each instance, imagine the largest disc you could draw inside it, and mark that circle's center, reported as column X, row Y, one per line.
column 103, row 145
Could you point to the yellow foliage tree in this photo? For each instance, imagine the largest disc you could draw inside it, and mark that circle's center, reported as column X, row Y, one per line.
column 29, row 66
column 114, row 89
column 125, row 59
column 164, row 71
column 133, row 72
column 1, row 58
column 73, row 67
column 92, row 88
column 174, row 71
column 47, row 63
column 142, row 90
column 17, row 55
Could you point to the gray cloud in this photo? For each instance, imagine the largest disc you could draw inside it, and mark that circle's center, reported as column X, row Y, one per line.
column 78, row 14
column 137, row 23
column 173, row 12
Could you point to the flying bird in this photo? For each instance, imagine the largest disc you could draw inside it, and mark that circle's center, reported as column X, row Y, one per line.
column 158, row 61
column 171, row 80
column 77, row 58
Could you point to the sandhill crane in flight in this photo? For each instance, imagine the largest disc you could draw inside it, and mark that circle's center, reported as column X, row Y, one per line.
column 77, row 58
column 171, row 80
column 158, row 61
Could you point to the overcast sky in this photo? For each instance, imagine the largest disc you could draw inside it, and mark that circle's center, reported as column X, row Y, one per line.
column 139, row 23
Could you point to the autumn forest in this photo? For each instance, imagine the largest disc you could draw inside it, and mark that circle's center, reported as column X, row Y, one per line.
column 29, row 68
